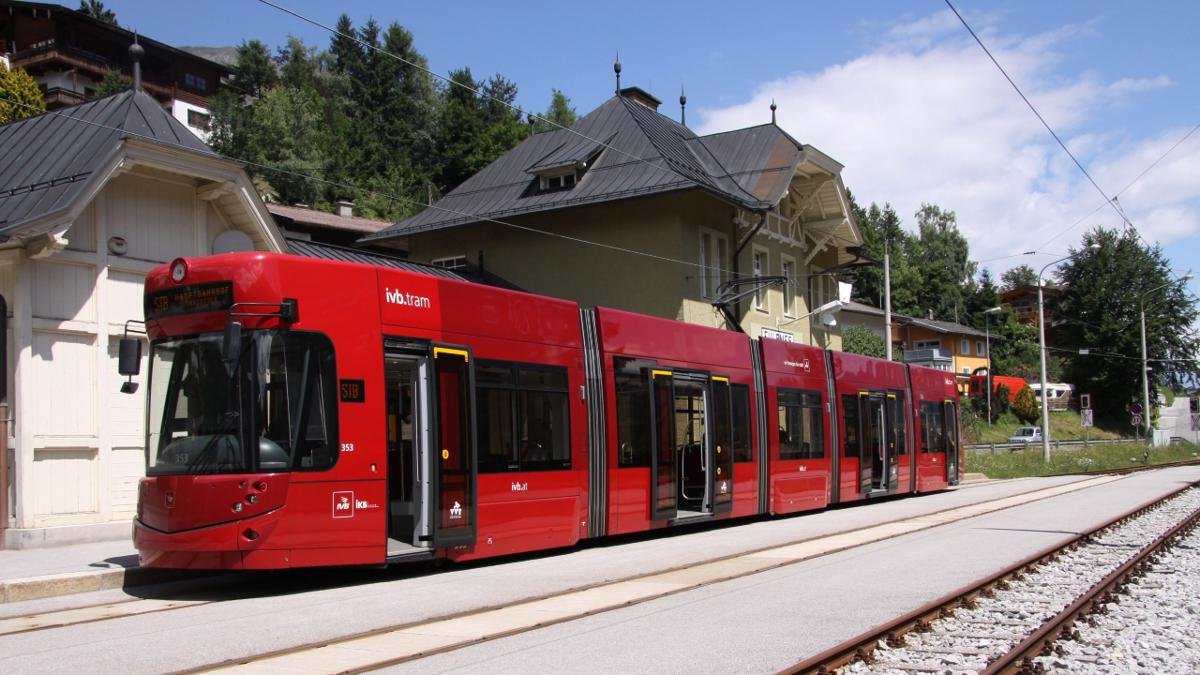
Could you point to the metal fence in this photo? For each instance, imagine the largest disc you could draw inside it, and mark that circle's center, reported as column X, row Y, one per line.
column 1017, row 447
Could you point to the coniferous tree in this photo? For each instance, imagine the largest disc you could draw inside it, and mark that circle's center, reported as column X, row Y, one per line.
column 560, row 113
column 96, row 10
column 112, row 83
column 1021, row 275
column 254, row 70
column 942, row 261
column 20, row 96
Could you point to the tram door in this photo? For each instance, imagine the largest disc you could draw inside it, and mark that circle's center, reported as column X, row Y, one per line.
column 951, row 426
column 664, row 482
column 408, row 441
column 873, row 463
column 431, row 449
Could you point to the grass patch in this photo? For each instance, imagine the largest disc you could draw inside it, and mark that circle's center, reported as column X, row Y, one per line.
column 1028, row 461
column 1066, row 425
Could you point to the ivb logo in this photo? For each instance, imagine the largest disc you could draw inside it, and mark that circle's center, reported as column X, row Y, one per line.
column 456, row 511
column 343, row 504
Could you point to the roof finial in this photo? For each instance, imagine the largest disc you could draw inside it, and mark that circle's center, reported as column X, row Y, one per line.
column 136, row 52
column 617, row 70
column 773, row 107
column 682, row 106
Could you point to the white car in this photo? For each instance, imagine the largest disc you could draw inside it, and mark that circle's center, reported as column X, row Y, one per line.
column 1026, row 435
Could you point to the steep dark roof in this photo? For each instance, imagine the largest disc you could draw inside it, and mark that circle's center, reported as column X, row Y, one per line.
column 647, row 153
column 49, row 159
column 313, row 249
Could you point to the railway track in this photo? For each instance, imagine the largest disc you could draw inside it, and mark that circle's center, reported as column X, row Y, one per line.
column 414, row 639
column 1010, row 621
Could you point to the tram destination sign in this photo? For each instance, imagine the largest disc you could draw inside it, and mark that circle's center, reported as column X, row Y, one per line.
column 211, row 297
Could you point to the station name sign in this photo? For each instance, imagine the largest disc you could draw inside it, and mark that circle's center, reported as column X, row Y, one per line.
column 211, row 297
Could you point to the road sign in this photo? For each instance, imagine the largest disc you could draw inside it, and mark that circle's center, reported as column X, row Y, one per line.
column 1195, row 421
column 1085, row 402
column 1135, row 420
column 1086, row 417
column 1135, row 408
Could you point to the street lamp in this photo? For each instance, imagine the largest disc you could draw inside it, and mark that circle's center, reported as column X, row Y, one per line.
column 1145, row 364
column 987, row 331
column 1042, row 350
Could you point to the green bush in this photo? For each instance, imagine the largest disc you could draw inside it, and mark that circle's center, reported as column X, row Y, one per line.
column 1026, row 406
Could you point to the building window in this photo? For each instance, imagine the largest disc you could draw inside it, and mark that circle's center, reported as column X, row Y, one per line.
column 454, row 262
column 927, row 344
column 563, row 181
column 787, row 267
column 759, row 269
column 195, row 82
column 801, row 435
column 199, row 120
column 964, row 347
column 522, row 418
column 712, row 262
column 979, row 348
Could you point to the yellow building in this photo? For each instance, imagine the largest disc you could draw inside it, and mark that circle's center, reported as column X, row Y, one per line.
column 631, row 209
column 943, row 345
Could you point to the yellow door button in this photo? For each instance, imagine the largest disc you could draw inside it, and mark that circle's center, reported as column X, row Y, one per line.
column 445, row 453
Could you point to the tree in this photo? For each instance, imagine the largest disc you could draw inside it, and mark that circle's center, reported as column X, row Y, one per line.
column 1021, row 275
column 1099, row 311
column 1025, row 407
column 881, row 230
column 942, row 262
column 112, row 83
column 863, row 340
column 1001, row 401
column 96, row 10
column 20, row 96
column 254, row 70
column 560, row 114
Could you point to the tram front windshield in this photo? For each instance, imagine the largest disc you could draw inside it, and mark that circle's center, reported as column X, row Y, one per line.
column 267, row 408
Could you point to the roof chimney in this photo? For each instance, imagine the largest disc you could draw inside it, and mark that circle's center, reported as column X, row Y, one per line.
column 639, row 95
column 344, row 208
column 617, row 70
column 136, row 52
column 773, row 107
column 682, row 107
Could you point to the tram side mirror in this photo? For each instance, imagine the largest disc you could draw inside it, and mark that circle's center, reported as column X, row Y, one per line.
column 129, row 362
column 232, row 345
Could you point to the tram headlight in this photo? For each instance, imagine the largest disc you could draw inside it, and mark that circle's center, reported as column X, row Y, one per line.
column 178, row 270
column 251, row 499
column 237, row 507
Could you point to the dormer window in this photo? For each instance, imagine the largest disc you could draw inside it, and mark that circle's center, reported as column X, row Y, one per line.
column 564, row 181
column 564, row 166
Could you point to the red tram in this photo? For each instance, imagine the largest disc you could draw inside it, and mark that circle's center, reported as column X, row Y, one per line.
column 305, row 412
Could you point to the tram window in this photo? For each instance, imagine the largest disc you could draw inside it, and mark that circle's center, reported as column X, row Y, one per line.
column 899, row 425
column 951, row 442
column 633, row 420
column 742, row 451
column 801, row 434
column 296, row 403
column 852, row 446
column 932, row 433
column 522, row 417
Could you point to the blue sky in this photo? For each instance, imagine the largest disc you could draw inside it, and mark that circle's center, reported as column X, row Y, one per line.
column 897, row 92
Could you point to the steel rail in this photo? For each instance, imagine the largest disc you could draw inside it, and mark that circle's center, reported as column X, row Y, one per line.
column 861, row 647
column 1020, row 658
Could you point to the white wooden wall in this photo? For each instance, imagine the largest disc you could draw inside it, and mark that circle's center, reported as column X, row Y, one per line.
column 78, row 440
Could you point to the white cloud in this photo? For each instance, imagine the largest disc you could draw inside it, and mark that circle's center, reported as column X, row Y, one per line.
column 926, row 117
